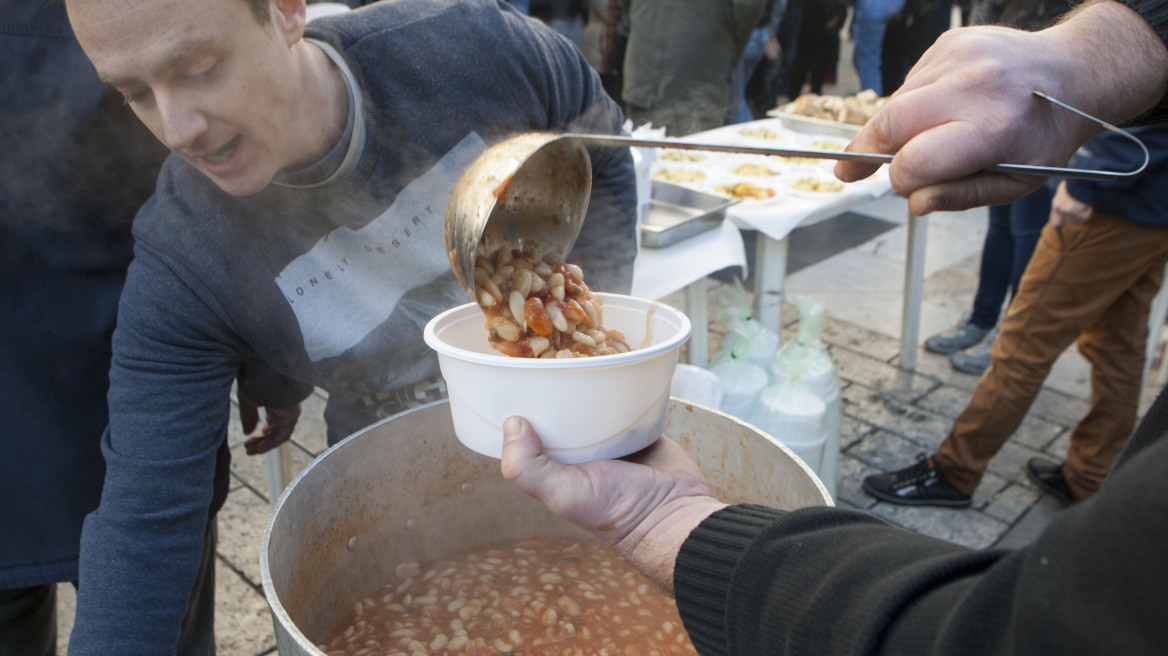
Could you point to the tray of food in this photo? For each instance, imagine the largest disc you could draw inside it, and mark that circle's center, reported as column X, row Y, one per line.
column 833, row 115
column 677, row 212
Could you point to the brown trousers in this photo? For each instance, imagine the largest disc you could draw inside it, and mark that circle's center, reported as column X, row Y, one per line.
column 1094, row 282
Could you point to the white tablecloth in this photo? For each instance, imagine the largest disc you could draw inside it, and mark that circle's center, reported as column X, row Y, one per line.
column 659, row 272
column 789, row 208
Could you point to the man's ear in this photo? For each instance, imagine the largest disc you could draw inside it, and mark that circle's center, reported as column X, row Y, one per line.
column 288, row 16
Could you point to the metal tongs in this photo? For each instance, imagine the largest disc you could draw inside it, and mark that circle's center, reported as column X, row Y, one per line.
column 873, row 158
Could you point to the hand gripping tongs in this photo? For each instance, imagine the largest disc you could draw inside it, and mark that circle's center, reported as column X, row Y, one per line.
column 873, row 158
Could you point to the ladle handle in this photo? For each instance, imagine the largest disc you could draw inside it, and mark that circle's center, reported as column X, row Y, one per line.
column 879, row 159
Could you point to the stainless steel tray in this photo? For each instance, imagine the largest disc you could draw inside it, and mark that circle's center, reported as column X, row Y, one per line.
column 678, row 212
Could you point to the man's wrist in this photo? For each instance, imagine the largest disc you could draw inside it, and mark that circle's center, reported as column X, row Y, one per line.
column 655, row 552
column 1126, row 53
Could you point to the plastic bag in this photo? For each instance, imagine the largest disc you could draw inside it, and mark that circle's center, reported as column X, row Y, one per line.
column 747, row 339
column 807, row 360
column 696, row 385
column 753, row 342
column 745, row 354
column 794, row 415
column 741, row 382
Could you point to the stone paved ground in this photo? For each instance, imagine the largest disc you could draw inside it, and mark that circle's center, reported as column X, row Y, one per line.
column 891, row 415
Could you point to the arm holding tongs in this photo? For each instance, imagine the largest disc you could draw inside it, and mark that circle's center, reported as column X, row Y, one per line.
column 873, row 158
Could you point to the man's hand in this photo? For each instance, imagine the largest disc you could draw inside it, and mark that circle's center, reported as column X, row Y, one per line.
column 644, row 505
column 773, row 48
column 278, row 425
column 1065, row 210
column 968, row 104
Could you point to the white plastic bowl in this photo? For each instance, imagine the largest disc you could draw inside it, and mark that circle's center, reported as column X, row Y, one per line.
column 584, row 409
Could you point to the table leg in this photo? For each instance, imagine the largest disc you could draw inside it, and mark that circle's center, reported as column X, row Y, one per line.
column 1156, row 318
column 279, row 466
column 914, row 283
column 697, row 308
column 770, row 271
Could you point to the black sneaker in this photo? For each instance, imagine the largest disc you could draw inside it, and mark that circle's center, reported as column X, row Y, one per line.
column 922, row 484
column 1048, row 476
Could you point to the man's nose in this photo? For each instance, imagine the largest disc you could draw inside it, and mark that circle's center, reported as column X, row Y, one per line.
column 181, row 122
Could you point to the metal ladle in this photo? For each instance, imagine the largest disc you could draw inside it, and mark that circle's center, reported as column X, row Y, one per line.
column 527, row 192
column 531, row 191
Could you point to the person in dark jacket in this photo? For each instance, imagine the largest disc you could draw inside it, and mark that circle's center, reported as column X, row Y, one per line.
column 76, row 166
column 1097, row 266
column 298, row 224
column 679, row 61
column 909, row 35
column 750, row 579
column 816, row 46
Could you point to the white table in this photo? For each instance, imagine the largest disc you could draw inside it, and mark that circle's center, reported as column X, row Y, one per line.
column 685, row 265
column 659, row 272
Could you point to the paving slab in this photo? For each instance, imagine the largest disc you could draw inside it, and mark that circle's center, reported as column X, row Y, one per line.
column 852, row 431
column 241, row 529
column 852, row 471
column 243, row 621
column 888, row 379
column 920, row 426
column 969, row 528
column 1010, row 504
column 848, row 336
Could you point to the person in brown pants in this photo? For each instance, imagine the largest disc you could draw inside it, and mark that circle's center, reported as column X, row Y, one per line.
column 1098, row 265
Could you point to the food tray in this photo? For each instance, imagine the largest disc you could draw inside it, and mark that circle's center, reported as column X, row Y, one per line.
column 677, row 212
column 801, row 123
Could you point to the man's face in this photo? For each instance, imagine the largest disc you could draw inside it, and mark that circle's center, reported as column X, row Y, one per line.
column 211, row 81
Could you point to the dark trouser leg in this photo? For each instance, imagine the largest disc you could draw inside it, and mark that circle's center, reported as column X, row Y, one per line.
column 28, row 621
column 997, row 252
column 821, row 59
column 1027, row 217
column 197, row 637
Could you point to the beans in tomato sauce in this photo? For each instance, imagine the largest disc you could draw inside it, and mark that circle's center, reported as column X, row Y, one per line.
column 539, row 310
column 539, row 597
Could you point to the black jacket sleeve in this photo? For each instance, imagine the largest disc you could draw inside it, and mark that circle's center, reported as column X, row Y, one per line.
column 269, row 388
column 751, row 580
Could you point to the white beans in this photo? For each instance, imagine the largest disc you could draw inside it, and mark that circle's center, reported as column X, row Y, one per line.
column 535, row 309
column 541, row 596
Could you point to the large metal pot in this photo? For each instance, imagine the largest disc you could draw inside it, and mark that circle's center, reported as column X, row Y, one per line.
column 406, row 489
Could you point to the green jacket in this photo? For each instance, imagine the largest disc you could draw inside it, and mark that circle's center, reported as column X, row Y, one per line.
column 681, row 55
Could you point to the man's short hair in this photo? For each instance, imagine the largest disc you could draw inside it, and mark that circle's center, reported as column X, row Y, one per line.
column 259, row 9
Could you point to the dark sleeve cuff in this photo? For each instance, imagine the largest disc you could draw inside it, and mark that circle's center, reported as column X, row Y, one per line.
column 270, row 388
column 1156, row 13
column 705, row 565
